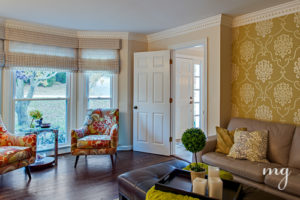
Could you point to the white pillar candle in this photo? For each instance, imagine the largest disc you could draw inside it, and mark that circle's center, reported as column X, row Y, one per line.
column 213, row 171
column 215, row 187
column 199, row 185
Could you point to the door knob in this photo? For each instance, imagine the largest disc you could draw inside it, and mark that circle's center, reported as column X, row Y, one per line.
column 135, row 107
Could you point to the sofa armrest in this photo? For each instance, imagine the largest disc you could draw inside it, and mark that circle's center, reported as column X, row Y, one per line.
column 75, row 135
column 114, row 136
column 210, row 146
column 8, row 139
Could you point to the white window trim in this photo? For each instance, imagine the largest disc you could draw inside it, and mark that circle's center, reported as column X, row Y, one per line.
column 8, row 109
column 82, row 100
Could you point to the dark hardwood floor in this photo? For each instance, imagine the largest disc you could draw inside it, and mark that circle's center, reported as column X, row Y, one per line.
column 92, row 179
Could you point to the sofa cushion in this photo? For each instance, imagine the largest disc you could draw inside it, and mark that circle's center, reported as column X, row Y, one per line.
column 294, row 160
column 94, row 142
column 280, row 137
column 293, row 185
column 11, row 154
column 243, row 168
column 136, row 183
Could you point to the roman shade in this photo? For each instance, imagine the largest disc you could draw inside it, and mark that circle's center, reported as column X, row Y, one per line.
column 99, row 55
column 42, row 51
column 1, row 45
column 58, row 49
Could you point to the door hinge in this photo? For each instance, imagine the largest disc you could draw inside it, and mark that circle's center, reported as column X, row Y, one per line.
column 171, row 61
column 171, row 139
column 171, row 100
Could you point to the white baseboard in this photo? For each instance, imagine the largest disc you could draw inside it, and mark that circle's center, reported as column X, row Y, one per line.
column 124, row 148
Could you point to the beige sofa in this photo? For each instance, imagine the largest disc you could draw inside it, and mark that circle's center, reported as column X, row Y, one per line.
column 283, row 151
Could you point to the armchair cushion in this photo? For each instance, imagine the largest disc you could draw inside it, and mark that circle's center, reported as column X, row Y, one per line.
column 101, row 121
column 11, row 154
column 94, row 142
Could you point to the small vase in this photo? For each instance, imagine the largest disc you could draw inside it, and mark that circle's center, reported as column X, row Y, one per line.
column 197, row 174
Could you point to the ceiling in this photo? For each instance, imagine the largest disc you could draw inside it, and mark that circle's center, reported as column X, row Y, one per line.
column 141, row 16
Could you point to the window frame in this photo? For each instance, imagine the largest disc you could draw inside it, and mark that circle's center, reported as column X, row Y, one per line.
column 83, row 87
column 69, row 100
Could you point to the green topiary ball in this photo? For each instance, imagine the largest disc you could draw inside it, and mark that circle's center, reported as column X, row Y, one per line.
column 193, row 140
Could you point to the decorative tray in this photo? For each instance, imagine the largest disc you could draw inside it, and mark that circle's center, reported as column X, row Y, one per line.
column 179, row 182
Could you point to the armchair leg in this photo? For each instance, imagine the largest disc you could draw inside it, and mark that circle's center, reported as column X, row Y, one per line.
column 77, row 157
column 27, row 171
column 112, row 160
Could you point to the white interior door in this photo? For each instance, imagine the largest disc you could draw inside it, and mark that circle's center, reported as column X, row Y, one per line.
column 183, row 96
column 151, row 116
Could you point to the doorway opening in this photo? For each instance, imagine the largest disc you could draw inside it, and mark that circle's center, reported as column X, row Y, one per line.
column 189, row 93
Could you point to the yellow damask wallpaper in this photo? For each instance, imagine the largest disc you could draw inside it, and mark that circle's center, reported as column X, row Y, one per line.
column 266, row 70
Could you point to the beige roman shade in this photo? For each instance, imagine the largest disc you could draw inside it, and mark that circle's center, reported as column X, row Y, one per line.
column 41, row 51
column 1, row 45
column 99, row 55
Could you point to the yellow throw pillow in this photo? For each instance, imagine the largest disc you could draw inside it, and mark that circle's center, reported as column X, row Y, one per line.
column 225, row 139
column 250, row 145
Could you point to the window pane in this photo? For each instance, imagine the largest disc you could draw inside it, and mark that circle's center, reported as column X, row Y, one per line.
column 40, row 84
column 99, row 85
column 196, row 70
column 196, row 96
column 196, row 108
column 196, row 83
column 99, row 103
column 54, row 112
column 196, row 121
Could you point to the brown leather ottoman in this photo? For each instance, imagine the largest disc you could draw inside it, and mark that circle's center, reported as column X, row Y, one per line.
column 133, row 185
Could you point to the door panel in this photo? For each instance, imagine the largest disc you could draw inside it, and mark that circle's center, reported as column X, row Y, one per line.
column 151, row 116
column 183, row 96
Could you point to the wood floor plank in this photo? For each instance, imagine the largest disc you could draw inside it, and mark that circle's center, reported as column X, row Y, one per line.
column 93, row 178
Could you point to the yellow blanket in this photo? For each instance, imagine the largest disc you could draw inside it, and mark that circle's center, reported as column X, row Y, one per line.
column 153, row 194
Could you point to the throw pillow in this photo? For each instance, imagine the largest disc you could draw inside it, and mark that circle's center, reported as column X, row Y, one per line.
column 250, row 145
column 225, row 139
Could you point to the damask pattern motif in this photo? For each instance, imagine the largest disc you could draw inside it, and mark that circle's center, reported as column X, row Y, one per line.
column 264, row 27
column 266, row 85
column 247, row 50
column 283, row 45
column 263, row 112
column 247, row 92
column 263, row 70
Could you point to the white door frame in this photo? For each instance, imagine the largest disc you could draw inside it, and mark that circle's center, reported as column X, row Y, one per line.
column 204, row 95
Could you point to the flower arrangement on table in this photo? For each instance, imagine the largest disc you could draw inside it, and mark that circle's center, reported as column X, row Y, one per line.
column 36, row 115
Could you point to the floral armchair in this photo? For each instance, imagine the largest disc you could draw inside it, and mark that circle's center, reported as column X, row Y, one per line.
column 16, row 151
column 98, row 136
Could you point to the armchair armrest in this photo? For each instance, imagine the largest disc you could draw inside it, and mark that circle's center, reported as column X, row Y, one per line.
column 210, row 146
column 75, row 135
column 8, row 139
column 114, row 135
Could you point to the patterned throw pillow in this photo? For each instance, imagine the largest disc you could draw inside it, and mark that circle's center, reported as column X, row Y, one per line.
column 225, row 139
column 250, row 145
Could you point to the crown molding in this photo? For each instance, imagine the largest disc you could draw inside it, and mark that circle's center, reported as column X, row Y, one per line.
column 39, row 28
column 217, row 20
column 268, row 13
column 138, row 37
column 102, row 34
column 187, row 28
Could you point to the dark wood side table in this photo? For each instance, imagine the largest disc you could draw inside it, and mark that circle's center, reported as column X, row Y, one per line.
column 47, row 161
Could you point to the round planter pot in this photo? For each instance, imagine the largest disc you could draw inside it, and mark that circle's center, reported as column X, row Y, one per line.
column 198, row 174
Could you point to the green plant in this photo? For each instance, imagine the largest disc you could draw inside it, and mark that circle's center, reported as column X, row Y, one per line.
column 194, row 141
column 35, row 114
